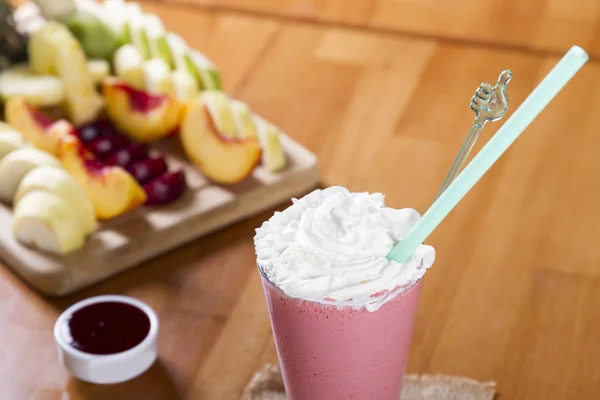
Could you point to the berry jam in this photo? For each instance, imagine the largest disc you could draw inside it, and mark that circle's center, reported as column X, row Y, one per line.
column 107, row 328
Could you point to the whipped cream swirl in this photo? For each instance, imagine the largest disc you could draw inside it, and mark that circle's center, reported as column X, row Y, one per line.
column 331, row 247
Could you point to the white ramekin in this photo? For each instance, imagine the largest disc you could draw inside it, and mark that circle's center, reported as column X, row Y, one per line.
column 110, row 368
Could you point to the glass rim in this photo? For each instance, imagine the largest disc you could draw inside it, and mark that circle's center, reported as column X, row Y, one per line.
column 411, row 286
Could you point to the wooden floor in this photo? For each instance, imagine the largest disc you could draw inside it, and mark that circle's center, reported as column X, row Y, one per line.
column 380, row 90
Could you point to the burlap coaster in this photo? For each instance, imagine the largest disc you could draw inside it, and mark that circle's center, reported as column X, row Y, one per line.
column 268, row 385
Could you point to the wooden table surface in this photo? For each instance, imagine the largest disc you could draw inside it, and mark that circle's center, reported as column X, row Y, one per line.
column 380, row 89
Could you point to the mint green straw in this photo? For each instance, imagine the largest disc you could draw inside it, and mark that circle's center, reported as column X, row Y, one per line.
column 566, row 68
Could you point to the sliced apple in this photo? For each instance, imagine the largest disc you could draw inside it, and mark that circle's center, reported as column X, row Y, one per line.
column 204, row 70
column 39, row 90
column 112, row 190
column 129, row 64
column 54, row 48
column 99, row 69
column 218, row 105
column 114, row 16
column 157, row 77
column 10, row 140
column 142, row 116
column 134, row 29
column 245, row 125
column 273, row 155
column 58, row 182
column 157, row 39
column 16, row 165
column 56, row 9
column 221, row 158
column 179, row 50
column 42, row 90
column 45, row 221
column 97, row 38
column 184, row 85
column 36, row 127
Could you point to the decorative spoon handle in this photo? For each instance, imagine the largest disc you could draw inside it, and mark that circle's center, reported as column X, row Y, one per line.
column 489, row 104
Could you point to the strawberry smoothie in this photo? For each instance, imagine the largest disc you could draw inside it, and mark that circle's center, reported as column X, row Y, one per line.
column 342, row 313
column 331, row 352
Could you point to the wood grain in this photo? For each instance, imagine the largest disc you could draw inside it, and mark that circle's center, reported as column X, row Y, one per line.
column 513, row 295
column 533, row 25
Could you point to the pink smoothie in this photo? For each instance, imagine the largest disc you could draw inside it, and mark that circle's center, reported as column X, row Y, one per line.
column 332, row 352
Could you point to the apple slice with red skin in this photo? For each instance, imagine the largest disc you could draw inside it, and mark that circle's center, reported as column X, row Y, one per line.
column 140, row 115
column 221, row 159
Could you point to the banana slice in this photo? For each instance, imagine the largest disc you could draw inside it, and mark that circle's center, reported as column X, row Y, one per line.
column 157, row 39
column 128, row 64
column 157, row 77
column 10, row 140
column 204, row 70
column 218, row 104
column 45, row 221
column 185, row 86
column 243, row 119
column 58, row 182
column 82, row 102
column 16, row 165
column 273, row 156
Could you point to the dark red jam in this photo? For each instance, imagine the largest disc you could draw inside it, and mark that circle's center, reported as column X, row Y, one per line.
column 108, row 327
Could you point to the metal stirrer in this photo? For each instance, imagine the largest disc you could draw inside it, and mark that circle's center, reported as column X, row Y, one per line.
column 490, row 104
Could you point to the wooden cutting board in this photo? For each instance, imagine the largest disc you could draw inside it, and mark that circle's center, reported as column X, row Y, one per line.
column 125, row 242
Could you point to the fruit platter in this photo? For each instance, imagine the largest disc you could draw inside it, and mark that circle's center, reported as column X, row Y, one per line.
column 118, row 143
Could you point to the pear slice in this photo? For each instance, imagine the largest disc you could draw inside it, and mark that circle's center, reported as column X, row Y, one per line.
column 157, row 76
column 43, row 220
column 15, row 165
column 185, row 86
column 10, row 140
column 273, row 155
column 204, row 70
column 219, row 106
column 58, row 182
column 157, row 39
column 128, row 64
column 244, row 123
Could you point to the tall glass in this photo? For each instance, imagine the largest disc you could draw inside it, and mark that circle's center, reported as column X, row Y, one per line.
column 330, row 352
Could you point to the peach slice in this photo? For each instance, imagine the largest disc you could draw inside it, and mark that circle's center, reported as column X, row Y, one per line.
column 37, row 128
column 141, row 116
column 112, row 190
column 221, row 158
